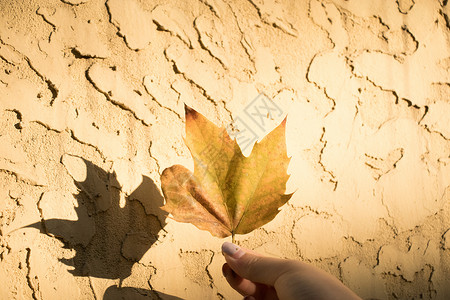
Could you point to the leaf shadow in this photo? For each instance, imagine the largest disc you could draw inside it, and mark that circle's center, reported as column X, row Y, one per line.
column 108, row 237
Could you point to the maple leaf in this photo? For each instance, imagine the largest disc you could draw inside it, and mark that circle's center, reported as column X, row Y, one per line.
column 228, row 193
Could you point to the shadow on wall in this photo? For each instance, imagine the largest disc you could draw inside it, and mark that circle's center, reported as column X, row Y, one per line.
column 108, row 239
column 115, row 293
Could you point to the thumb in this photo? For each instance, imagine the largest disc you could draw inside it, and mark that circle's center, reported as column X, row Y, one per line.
column 254, row 267
column 291, row 279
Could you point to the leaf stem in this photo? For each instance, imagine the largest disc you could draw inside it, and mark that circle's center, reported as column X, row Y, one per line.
column 232, row 238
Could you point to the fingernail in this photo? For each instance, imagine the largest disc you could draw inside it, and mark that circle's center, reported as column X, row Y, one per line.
column 232, row 250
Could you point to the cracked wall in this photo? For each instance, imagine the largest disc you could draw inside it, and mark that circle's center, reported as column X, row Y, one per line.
column 91, row 112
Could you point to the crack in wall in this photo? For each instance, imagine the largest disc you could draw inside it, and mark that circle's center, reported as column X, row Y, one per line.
column 35, row 293
column 245, row 43
column 393, row 92
column 320, row 88
column 118, row 33
column 21, row 177
column 155, row 293
column 435, row 131
column 211, row 279
column 293, row 239
column 403, row 7
column 75, row 138
column 108, row 96
column 192, row 82
column 388, row 211
column 91, row 286
column 6, row 59
column 77, row 54
column 163, row 106
column 333, row 179
column 46, row 126
column 210, row 7
column 50, row 85
column 154, row 158
column 206, row 48
column 275, row 21
column 382, row 166
column 45, row 19
column 74, row 3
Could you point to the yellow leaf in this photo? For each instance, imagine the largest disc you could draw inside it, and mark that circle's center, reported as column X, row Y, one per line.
column 228, row 193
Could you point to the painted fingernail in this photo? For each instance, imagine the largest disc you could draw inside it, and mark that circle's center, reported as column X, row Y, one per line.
column 232, row 250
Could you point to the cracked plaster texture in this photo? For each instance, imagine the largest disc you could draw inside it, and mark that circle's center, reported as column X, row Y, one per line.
column 92, row 97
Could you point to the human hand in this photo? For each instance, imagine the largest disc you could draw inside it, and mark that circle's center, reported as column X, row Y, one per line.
column 259, row 277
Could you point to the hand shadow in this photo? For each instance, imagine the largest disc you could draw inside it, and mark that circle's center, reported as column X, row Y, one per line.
column 108, row 239
column 116, row 293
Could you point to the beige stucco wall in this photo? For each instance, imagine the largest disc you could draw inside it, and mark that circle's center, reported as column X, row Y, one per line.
column 91, row 112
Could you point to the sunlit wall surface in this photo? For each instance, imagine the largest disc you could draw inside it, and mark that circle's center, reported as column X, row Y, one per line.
column 92, row 97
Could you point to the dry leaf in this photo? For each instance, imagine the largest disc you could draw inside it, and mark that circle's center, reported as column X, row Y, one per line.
column 228, row 193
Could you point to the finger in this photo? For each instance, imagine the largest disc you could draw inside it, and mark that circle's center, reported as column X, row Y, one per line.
column 246, row 287
column 292, row 279
column 243, row 286
column 257, row 268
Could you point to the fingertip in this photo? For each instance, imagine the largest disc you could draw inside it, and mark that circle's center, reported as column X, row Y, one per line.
column 245, row 286
column 226, row 270
column 232, row 250
column 241, row 285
